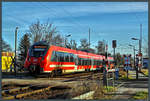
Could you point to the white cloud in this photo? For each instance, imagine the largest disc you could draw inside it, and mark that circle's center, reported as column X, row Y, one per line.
column 81, row 9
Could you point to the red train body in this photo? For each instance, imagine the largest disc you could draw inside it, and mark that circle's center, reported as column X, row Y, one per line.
column 44, row 58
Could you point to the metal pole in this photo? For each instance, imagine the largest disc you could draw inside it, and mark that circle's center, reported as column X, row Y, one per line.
column 140, row 46
column 65, row 42
column 114, row 57
column 15, row 49
column 114, row 72
column 89, row 37
column 113, row 80
column 134, row 55
column 140, row 37
column 136, row 70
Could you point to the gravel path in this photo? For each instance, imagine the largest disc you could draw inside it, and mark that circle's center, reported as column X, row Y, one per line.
column 130, row 87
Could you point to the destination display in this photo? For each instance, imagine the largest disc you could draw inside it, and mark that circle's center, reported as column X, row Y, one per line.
column 39, row 48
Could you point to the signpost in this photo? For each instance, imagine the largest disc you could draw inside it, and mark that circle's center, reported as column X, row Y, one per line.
column 140, row 61
column 127, row 63
column 137, row 61
column 114, row 45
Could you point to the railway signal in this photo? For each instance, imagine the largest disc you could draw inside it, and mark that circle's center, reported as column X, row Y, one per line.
column 114, row 45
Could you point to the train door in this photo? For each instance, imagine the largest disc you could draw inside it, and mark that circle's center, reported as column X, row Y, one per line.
column 92, row 62
column 76, row 62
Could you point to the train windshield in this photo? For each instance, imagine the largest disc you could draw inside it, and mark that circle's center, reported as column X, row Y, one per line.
column 38, row 51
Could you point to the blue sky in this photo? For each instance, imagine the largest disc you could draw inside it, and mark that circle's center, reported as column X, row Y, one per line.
column 107, row 20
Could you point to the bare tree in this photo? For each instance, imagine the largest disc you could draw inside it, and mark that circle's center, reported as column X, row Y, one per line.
column 101, row 47
column 5, row 46
column 58, row 40
column 43, row 32
column 84, row 44
column 72, row 44
column 119, row 59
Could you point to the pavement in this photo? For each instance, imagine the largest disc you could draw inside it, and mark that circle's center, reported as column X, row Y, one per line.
column 130, row 87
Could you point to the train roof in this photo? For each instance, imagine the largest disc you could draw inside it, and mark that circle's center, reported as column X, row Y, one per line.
column 80, row 54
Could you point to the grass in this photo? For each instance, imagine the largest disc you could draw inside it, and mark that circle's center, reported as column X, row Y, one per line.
column 123, row 76
column 141, row 95
column 145, row 71
column 109, row 89
column 104, row 93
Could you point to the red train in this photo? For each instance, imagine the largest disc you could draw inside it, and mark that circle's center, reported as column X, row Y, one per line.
column 44, row 58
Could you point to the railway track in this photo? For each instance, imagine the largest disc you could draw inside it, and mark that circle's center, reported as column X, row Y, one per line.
column 48, row 92
column 21, row 92
column 29, row 92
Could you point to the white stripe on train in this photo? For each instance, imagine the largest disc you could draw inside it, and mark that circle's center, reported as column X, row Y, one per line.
column 61, row 65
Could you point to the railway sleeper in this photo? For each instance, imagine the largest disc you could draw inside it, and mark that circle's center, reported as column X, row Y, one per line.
column 15, row 90
column 19, row 96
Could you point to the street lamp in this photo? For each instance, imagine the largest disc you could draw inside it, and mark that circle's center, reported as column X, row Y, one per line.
column 139, row 43
column 134, row 61
column 140, row 53
column 133, row 53
column 66, row 38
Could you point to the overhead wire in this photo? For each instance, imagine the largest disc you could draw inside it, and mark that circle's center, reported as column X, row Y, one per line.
column 55, row 15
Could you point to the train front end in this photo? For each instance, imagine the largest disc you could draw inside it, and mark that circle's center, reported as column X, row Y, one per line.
column 35, row 58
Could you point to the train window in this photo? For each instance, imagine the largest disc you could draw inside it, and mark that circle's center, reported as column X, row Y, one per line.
column 90, row 61
column 38, row 51
column 97, row 62
column 87, row 62
column 71, row 57
column 60, row 56
column 82, row 61
column 53, row 57
column 94, row 62
column 79, row 61
column 66, row 55
column 57, row 56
